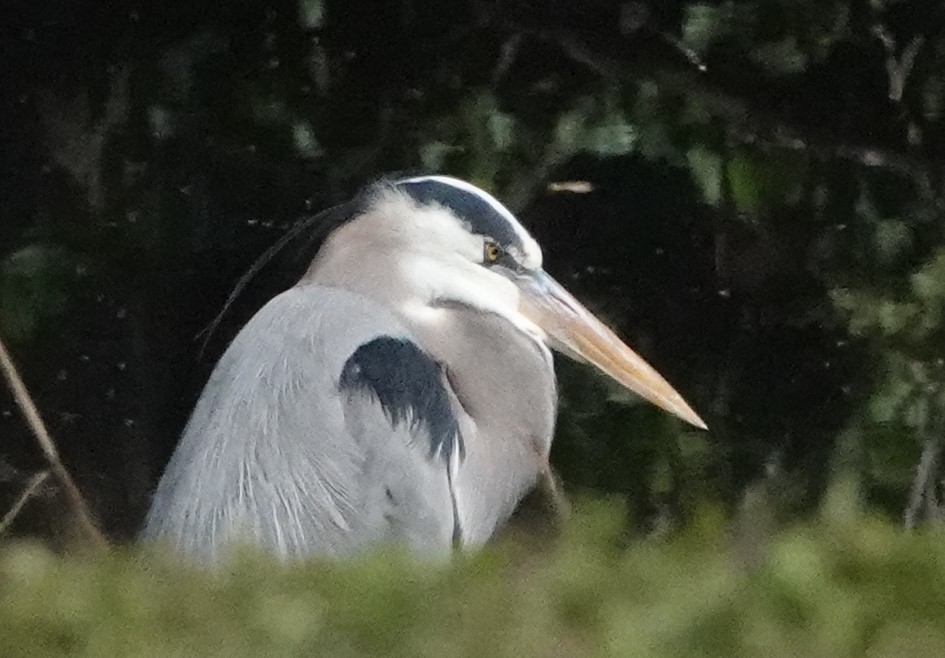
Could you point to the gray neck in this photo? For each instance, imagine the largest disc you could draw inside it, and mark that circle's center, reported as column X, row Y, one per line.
column 505, row 385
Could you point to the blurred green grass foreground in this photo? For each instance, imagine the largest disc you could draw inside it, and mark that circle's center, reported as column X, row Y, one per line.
column 841, row 584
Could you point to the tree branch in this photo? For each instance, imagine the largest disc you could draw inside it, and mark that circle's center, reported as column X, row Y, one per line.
column 924, row 474
column 747, row 122
column 31, row 487
column 45, row 442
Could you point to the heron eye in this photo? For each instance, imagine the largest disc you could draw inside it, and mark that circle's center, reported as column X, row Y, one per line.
column 491, row 252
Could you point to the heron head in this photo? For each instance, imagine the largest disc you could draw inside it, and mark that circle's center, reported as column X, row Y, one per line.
column 453, row 243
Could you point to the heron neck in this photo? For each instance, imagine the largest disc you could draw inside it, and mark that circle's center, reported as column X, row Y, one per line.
column 504, row 386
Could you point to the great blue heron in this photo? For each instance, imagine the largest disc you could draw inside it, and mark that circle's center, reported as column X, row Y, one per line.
column 402, row 392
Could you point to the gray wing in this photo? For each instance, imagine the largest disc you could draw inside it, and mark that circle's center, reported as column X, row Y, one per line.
column 320, row 432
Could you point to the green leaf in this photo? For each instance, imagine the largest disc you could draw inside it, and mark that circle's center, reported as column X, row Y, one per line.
column 591, row 127
column 501, row 129
column 892, row 239
column 706, row 169
column 757, row 182
column 433, row 154
column 569, row 130
column 780, row 57
column 928, row 284
column 702, row 25
column 311, row 14
column 745, row 183
column 611, row 137
column 306, row 144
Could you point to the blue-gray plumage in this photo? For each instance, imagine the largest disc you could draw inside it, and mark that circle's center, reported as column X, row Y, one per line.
column 403, row 392
column 353, row 476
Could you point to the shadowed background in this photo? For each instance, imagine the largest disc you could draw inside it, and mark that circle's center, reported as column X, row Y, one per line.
column 751, row 193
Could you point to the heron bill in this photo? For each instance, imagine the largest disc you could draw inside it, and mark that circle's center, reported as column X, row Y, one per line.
column 574, row 330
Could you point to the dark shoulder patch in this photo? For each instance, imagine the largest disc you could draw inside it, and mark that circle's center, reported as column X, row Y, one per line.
column 408, row 384
column 467, row 205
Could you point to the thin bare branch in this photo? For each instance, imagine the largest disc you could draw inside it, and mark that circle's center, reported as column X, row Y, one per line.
column 924, row 472
column 897, row 68
column 31, row 487
column 46, row 444
column 506, row 58
column 691, row 55
column 559, row 501
column 931, row 499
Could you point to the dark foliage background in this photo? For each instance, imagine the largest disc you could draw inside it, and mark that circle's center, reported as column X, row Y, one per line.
column 751, row 192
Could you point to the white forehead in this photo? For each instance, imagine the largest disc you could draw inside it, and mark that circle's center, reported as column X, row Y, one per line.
column 531, row 256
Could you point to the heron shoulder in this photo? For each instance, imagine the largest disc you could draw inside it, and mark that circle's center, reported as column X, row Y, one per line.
column 366, row 349
column 324, row 323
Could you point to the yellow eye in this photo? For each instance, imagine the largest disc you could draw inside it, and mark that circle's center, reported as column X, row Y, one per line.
column 491, row 252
